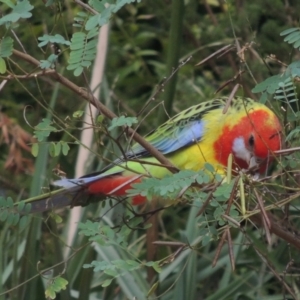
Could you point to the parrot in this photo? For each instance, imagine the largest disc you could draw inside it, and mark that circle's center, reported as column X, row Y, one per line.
column 204, row 133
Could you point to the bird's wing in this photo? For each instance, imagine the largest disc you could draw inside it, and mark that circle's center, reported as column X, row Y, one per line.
column 180, row 131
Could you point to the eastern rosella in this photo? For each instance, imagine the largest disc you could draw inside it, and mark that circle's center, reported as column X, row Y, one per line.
column 202, row 133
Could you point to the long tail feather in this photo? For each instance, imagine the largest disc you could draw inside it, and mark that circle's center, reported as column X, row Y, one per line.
column 78, row 192
column 76, row 196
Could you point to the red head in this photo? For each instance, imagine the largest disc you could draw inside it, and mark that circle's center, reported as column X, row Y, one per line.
column 252, row 135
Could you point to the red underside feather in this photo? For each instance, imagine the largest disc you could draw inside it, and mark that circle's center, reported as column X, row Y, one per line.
column 116, row 186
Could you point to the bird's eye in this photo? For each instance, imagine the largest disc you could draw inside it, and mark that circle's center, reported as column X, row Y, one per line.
column 251, row 141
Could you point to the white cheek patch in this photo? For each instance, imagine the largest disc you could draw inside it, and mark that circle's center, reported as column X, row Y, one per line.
column 239, row 149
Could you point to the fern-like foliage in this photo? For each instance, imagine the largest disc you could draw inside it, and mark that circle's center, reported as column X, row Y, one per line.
column 6, row 47
column 55, row 286
column 41, row 132
column 292, row 36
column 57, row 38
column 20, row 10
column 83, row 44
column 286, row 91
column 116, row 268
column 122, row 121
column 14, row 214
column 170, row 186
column 49, row 63
column 83, row 50
column 80, row 19
column 105, row 10
column 282, row 85
column 105, row 236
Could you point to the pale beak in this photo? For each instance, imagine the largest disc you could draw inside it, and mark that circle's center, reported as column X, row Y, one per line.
column 253, row 163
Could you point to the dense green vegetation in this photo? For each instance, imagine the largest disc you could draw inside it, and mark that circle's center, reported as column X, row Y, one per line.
column 156, row 64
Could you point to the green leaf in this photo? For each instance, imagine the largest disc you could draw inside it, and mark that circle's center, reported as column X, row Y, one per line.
column 92, row 33
column 135, row 222
column 297, row 43
column 205, row 240
column 122, row 121
column 2, row 66
column 49, row 63
column 60, row 283
column 20, row 206
column 43, row 129
column 35, row 149
column 154, row 265
column 23, row 8
column 78, row 114
column 50, row 293
column 10, row 202
column 273, row 83
column 80, row 19
column 295, row 133
column 100, row 119
column 23, row 222
column 78, row 71
column 209, row 167
column 83, row 51
column 92, row 22
column 57, row 218
column 223, row 192
column 10, row 219
column 52, row 149
column 291, row 36
column 105, row 12
column 106, row 282
column 20, row 10
column 97, row 5
column 57, row 148
column 55, row 286
column 3, row 215
column 57, row 38
column 263, row 98
column 167, row 187
column 270, row 84
column 8, row 3
column 2, row 201
column 6, row 46
column 111, row 272
column 28, row 208
column 16, row 218
column 65, row 148
column 288, row 31
column 89, row 228
column 49, row 3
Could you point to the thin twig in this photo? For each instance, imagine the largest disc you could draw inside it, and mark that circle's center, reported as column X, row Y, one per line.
column 278, row 230
column 230, row 249
column 219, row 248
column 214, row 54
column 86, row 7
column 262, row 209
column 234, row 90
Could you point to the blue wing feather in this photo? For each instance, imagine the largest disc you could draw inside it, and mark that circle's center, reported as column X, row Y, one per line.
column 179, row 137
